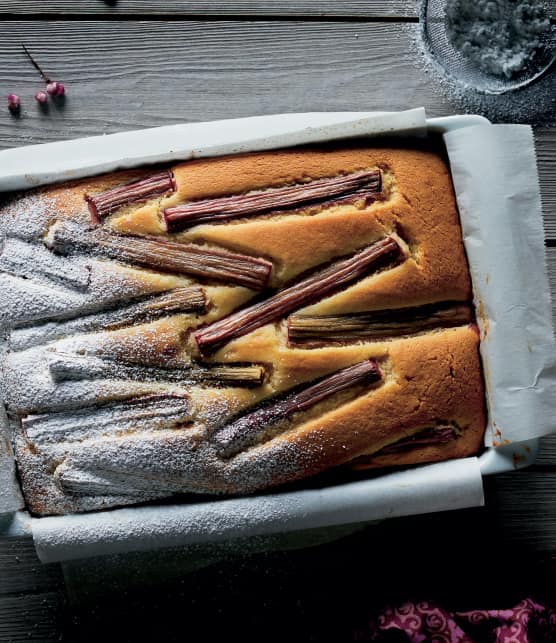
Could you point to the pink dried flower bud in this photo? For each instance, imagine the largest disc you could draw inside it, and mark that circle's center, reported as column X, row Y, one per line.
column 55, row 89
column 41, row 97
column 14, row 102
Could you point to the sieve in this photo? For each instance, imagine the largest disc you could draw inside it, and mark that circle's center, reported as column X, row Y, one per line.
column 434, row 31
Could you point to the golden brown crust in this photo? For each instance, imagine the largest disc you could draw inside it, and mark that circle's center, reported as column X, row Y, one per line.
column 429, row 379
column 437, row 270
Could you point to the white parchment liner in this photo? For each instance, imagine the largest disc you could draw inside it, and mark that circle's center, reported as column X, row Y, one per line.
column 495, row 177
column 404, row 493
column 500, row 205
column 26, row 167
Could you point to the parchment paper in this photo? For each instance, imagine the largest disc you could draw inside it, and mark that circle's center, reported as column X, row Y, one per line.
column 25, row 167
column 495, row 177
column 434, row 487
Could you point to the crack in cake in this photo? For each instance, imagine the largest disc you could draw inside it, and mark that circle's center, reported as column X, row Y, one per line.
column 229, row 325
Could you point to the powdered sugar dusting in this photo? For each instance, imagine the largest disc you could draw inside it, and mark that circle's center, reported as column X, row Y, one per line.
column 30, row 388
column 500, row 36
column 24, row 300
column 32, row 261
column 180, row 463
column 27, row 216
column 27, row 300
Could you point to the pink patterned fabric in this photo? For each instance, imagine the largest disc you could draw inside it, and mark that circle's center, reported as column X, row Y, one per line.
column 527, row 622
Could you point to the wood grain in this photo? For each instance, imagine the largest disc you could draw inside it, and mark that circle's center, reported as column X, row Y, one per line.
column 113, row 73
column 547, row 453
column 31, row 617
column 545, row 141
column 31, row 594
column 22, row 572
column 519, row 519
column 131, row 75
column 171, row 8
column 526, row 507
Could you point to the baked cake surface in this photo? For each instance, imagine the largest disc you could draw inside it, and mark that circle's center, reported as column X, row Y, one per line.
column 231, row 324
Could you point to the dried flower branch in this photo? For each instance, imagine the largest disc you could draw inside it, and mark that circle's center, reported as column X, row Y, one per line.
column 53, row 88
column 36, row 65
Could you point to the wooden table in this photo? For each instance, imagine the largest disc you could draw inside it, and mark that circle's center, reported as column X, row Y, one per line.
column 144, row 63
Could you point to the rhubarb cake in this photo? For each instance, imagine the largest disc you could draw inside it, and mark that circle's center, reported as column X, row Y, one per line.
column 228, row 325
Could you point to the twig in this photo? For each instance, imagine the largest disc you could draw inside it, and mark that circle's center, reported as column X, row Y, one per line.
column 36, row 65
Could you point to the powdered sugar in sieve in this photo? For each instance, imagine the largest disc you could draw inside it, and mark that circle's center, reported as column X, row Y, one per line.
column 493, row 46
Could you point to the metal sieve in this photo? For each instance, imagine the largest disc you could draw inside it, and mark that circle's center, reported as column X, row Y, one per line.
column 435, row 34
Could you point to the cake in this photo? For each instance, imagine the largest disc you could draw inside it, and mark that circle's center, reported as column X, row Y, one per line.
column 229, row 325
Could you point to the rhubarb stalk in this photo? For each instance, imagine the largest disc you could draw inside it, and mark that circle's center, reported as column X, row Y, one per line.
column 364, row 185
column 180, row 300
column 322, row 284
column 314, row 330
column 103, row 204
column 190, row 259
column 147, row 411
column 427, row 437
column 71, row 366
column 248, row 428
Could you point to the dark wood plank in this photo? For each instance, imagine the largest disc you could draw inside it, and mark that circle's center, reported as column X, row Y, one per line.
column 31, row 617
column 545, row 140
column 321, row 593
column 547, row 453
column 169, row 8
column 525, row 508
column 122, row 76
column 21, row 570
column 519, row 520
column 330, row 586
